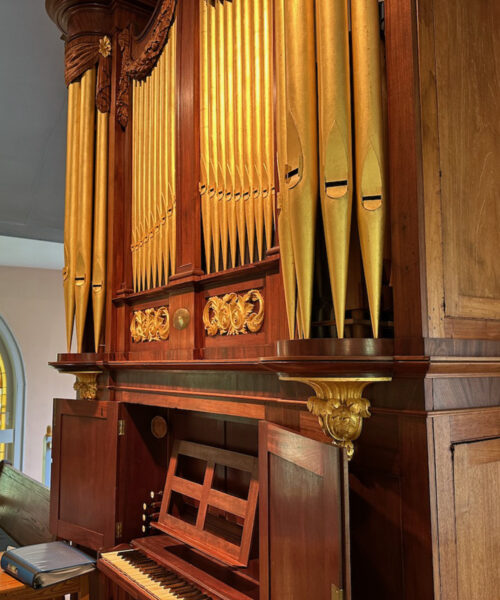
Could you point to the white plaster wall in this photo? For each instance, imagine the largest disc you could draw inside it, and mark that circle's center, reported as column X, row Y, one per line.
column 32, row 305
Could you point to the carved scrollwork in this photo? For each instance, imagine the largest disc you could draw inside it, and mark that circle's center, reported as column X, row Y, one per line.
column 141, row 66
column 339, row 406
column 150, row 325
column 86, row 384
column 234, row 314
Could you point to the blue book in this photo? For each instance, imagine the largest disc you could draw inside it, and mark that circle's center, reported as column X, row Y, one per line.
column 42, row 565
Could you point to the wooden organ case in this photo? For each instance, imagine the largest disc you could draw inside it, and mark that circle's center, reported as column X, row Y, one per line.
column 279, row 230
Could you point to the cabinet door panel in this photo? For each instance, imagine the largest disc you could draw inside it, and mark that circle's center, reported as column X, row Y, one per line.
column 301, row 542
column 84, row 471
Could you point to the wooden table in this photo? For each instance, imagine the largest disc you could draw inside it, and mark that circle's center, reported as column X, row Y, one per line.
column 12, row 589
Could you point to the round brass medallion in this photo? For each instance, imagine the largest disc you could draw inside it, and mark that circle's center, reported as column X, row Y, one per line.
column 159, row 427
column 181, row 318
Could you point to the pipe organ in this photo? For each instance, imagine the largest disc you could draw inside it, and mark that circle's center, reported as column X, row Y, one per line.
column 283, row 351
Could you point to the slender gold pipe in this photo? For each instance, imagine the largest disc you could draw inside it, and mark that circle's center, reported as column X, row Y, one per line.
column 154, row 175
column 100, row 225
column 221, row 130
column 250, row 179
column 370, row 159
column 161, row 167
column 284, row 231
column 204, row 134
column 150, row 182
column 172, row 113
column 228, row 46
column 302, row 147
column 213, row 134
column 133, row 231
column 166, row 166
column 71, row 207
column 335, row 165
column 143, row 180
column 268, row 128
column 258, row 130
column 239, row 134
column 86, row 179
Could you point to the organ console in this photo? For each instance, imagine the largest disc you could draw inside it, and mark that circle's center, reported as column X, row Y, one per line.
column 278, row 230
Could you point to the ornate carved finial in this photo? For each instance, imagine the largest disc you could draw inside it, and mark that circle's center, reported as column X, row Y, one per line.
column 86, row 384
column 105, row 46
column 339, row 406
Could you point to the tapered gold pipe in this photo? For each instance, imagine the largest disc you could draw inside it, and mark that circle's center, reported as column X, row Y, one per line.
column 239, row 134
column 100, row 224
column 143, row 183
column 230, row 128
column 302, row 159
column 150, row 182
column 71, row 207
column 86, row 180
column 166, row 165
column 250, row 186
column 161, row 168
column 335, row 165
column 172, row 115
column 284, row 231
column 370, row 160
column 133, row 230
column 221, row 130
column 154, row 176
column 258, row 129
column 268, row 126
column 204, row 134
column 213, row 134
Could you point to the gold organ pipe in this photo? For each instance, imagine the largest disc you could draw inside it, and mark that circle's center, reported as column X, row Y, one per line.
column 133, row 245
column 71, row 207
column 250, row 184
column 221, row 130
column 172, row 53
column 268, row 129
column 230, row 127
column 149, row 193
column 204, row 135
column 302, row 150
column 143, row 177
column 257, row 107
column 370, row 159
column 161, row 168
column 284, row 231
column 154, row 176
column 335, row 165
column 239, row 132
column 100, row 223
column 86, row 179
column 213, row 169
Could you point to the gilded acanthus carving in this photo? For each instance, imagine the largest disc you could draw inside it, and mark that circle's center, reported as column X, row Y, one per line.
column 141, row 66
column 81, row 54
column 234, row 314
column 86, row 384
column 339, row 406
column 150, row 325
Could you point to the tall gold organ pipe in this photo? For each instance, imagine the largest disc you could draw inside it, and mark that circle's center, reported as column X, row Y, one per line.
column 71, row 207
column 161, row 169
column 86, row 180
column 335, row 164
column 142, row 183
column 133, row 245
column 204, row 135
column 154, row 177
column 239, row 132
column 284, row 232
column 213, row 168
column 172, row 53
column 230, row 127
column 250, row 185
column 149, row 192
column 221, row 130
column 268, row 128
column 370, row 160
column 166, row 162
column 302, row 151
column 100, row 223
column 258, row 131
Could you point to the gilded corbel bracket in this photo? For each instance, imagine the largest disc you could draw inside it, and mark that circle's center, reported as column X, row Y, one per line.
column 86, row 384
column 339, row 406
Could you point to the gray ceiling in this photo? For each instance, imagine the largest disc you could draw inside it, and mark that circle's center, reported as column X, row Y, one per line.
column 32, row 122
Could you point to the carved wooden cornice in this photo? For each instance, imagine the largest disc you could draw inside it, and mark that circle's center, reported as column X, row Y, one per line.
column 148, row 53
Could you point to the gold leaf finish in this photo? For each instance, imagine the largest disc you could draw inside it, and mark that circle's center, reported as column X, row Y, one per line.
column 150, row 325
column 234, row 314
column 105, row 46
column 86, row 384
column 339, row 406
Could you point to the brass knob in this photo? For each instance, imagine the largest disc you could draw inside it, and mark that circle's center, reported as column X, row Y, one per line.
column 182, row 317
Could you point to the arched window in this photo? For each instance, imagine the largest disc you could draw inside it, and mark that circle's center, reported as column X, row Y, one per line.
column 12, row 384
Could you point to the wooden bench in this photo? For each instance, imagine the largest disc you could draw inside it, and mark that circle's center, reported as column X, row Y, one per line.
column 24, row 518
